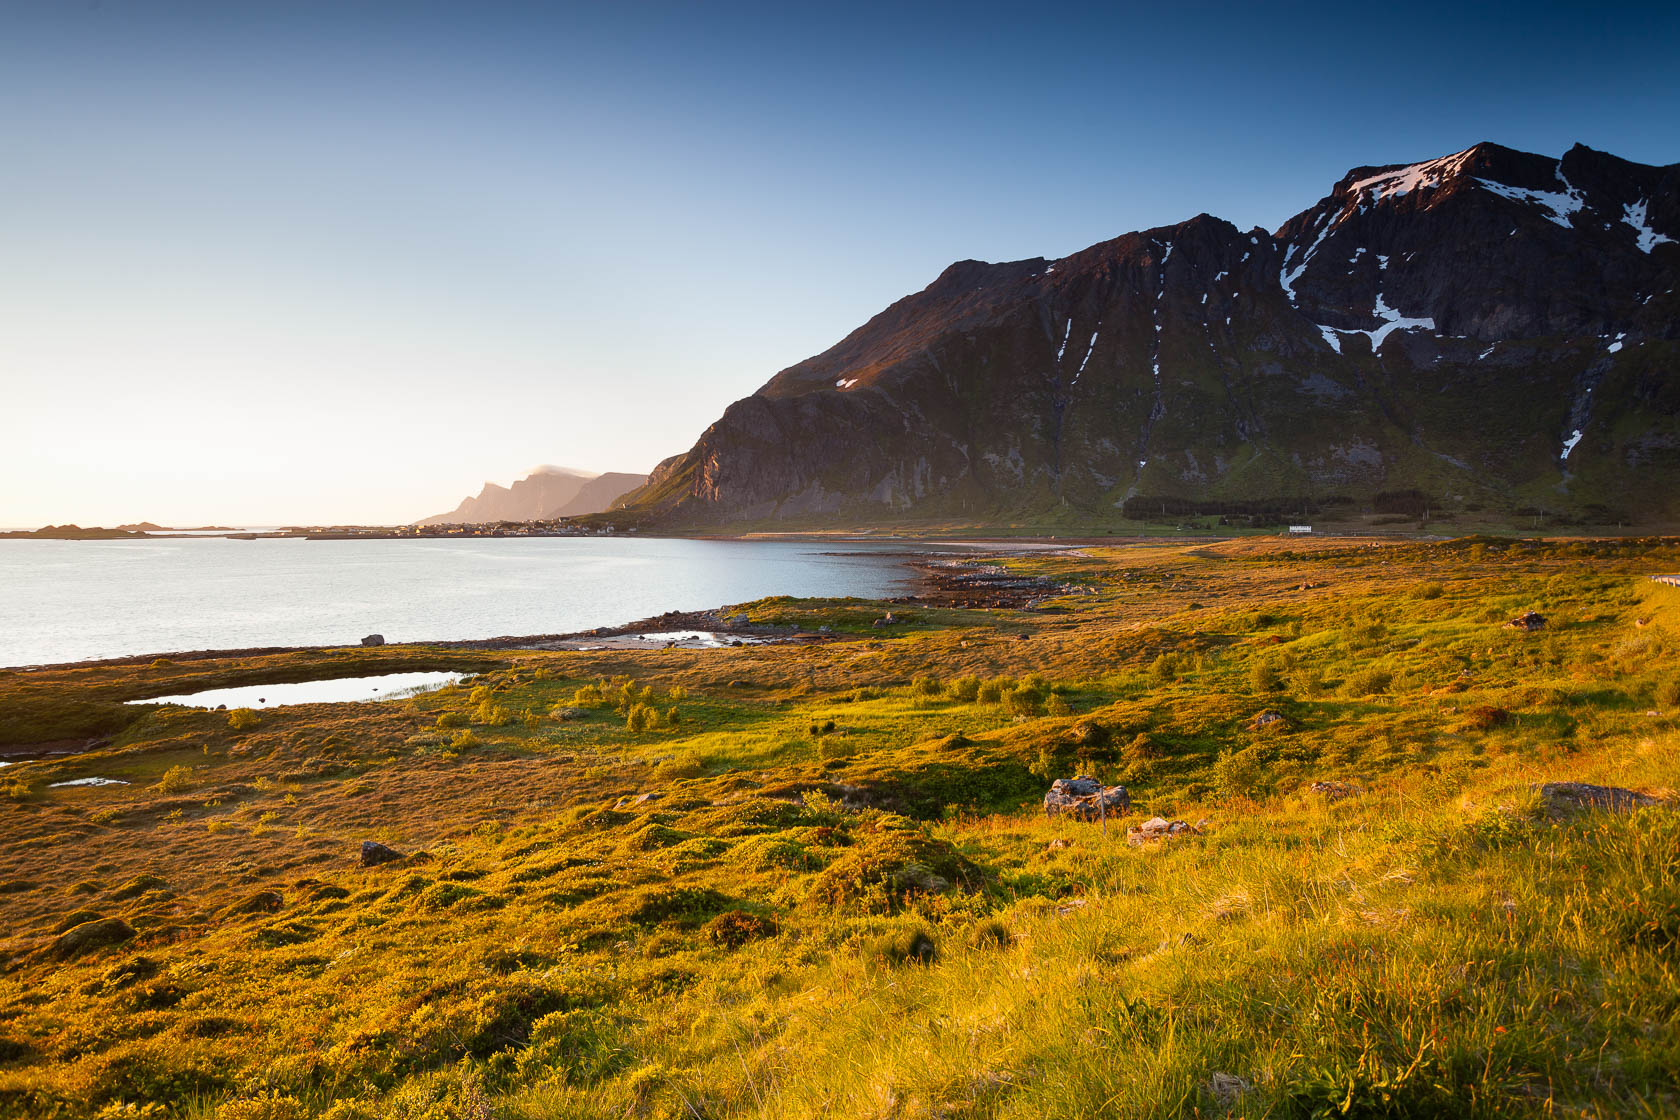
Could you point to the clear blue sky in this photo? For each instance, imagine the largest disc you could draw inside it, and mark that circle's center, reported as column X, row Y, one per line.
column 283, row 262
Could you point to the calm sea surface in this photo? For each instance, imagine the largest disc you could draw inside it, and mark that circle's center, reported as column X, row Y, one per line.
column 74, row 600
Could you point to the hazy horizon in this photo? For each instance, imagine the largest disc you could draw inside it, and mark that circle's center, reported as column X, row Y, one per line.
column 306, row 263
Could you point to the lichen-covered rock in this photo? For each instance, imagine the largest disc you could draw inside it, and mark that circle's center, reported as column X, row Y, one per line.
column 375, row 853
column 1574, row 796
column 1086, row 798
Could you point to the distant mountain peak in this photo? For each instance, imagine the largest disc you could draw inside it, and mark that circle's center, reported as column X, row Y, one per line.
column 546, row 493
column 573, row 472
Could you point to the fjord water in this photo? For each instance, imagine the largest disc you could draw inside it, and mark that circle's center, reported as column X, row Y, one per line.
column 78, row 600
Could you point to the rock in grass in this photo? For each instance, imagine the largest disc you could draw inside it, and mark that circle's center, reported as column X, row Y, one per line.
column 374, row 640
column 375, row 853
column 89, row 936
column 1086, row 799
column 1158, row 829
column 1529, row 621
column 1575, row 796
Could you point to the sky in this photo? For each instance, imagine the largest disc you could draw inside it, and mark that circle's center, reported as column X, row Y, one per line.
column 318, row 263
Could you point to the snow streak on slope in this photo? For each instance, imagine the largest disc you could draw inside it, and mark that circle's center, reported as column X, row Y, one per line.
column 1647, row 238
column 1558, row 204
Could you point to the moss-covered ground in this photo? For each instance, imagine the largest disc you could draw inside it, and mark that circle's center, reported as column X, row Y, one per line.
column 814, row 880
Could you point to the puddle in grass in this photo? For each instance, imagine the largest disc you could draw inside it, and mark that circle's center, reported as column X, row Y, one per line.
column 702, row 639
column 88, row 782
column 388, row 686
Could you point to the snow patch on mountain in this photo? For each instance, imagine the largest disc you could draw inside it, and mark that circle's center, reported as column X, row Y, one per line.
column 1558, row 204
column 1416, row 177
column 1645, row 237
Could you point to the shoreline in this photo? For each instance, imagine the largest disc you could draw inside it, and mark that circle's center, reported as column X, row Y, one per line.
column 936, row 578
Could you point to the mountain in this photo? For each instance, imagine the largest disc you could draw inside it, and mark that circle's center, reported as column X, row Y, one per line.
column 548, row 492
column 1494, row 329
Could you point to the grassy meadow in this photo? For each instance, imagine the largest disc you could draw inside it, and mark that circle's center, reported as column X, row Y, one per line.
column 816, row 880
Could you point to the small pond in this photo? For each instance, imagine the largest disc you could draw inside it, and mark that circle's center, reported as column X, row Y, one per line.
column 341, row 690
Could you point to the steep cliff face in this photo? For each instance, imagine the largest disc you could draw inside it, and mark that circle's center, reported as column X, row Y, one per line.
column 1491, row 327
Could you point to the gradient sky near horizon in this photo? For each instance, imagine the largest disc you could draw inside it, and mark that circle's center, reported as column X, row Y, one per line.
column 267, row 263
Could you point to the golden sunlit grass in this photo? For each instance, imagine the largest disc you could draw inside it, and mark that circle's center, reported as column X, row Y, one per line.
column 791, row 881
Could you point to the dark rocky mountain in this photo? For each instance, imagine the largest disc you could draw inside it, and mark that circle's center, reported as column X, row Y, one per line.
column 548, row 492
column 1493, row 328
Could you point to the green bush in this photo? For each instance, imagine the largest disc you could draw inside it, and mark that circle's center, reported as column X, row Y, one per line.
column 966, row 689
column 491, row 714
column 1265, row 677
column 1024, row 701
column 452, row 719
column 927, row 686
column 1239, row 773
column 243, row 719
column 1367, row 682
column 1668, row 693
column 177, row 779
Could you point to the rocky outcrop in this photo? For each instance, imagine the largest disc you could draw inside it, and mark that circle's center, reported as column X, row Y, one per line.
column 1086, row 799
column 1567, row 797
column 1483, row 328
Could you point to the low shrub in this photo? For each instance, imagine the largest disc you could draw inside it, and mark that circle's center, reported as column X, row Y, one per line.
column 1367, row 682
column 177, row 779
column 904, row 946
column 734, row 928
column 243, row 719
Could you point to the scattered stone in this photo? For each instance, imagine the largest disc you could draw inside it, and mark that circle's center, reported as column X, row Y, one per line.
column 740, row 620
column 375, row 853
column 89, row 936
column 1529, row 621
column 374, row 640
column 570, row 713
column 1268, row 719
column 1227, row 1087
column 1565, row 797
column 885, row 620
column 1086, row 799
column 1335, row 791
column 1159, row 828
